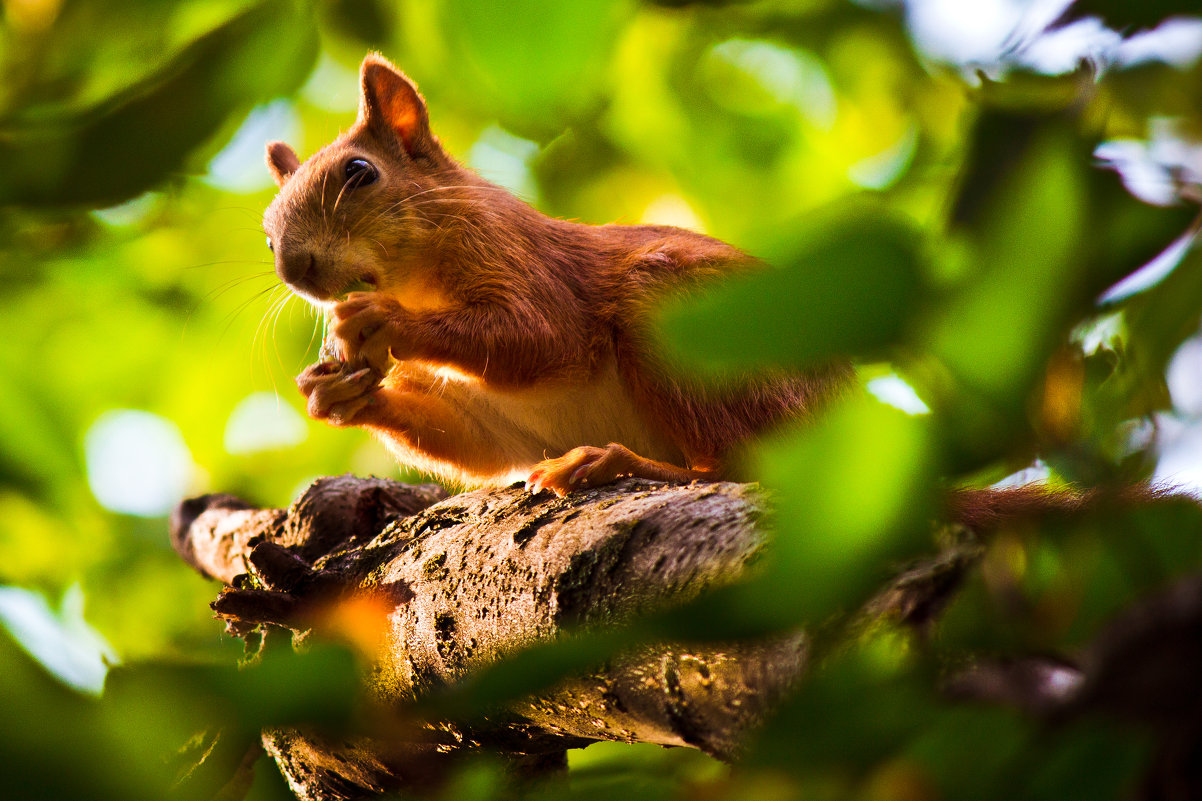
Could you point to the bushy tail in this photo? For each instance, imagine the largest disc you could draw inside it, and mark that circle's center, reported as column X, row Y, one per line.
column 985, row 510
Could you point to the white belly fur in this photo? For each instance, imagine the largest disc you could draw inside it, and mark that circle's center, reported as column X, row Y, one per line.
column 526, row 426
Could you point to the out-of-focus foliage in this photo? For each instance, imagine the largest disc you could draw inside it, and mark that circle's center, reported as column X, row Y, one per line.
column 86, row 122
column 1127, row 16
column 944, row 227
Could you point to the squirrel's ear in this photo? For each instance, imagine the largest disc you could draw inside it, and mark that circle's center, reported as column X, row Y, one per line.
column 282, row 161
column 390, row 103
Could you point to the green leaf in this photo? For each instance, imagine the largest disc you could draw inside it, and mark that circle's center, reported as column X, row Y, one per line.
column 1125, row 233
column 849, row 285
column 1090, row 759
column 996, row 334
column 970, row 753
column 993, row 754
column 1046, row 233
column 531, row 669
column 369, row 21
column 855, row 494
column 855, row 710
column 535, row 63
column 57, row 744
column 133, row 140
column 1161, row 318
column 35, row 450
column 834, row 540
column 1127, row 16
column 284, row 687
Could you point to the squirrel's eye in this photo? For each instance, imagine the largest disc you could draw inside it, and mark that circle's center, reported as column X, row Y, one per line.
column 359, row 173
column 270, row 246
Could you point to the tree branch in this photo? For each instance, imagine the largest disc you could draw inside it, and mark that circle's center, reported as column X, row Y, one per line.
column 461, row 583
column 433, row 589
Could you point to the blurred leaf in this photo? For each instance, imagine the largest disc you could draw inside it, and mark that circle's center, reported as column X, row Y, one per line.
column 849, row 285
column 1119, row 555
column 1166, row 539
column 113, row 151
column 1125, row 233
column 1052, row 590
column 152, row 712
column 1163, row 317
column 854, row 711
column 1144, row 93
column 1124, row 15
column 684, row 3
column 834, row 540
column 284, row 687
column 972, row 753
column 56, row 744
column 533, row 668
column 1050, row 232
column 1001, row 142
column 35, row 450
column 607, row 770
column 993, row 754
column 534, row 76
column 995, row 336
column 1090, row 759
column 371, row 22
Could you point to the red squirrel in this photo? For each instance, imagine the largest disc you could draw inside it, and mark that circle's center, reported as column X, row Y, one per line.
column 500, row 344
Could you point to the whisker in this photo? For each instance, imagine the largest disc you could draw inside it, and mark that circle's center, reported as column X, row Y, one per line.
column 482, row 187
column 226, row 286
column 338, row 199
column 232, row 315
column 228, row 262
column 322, row 201
column 396, row 204
column 266, row 327
column 379, row 245
column 256, row 214
column 272, row 301
column 275, row 339
column 313, row 335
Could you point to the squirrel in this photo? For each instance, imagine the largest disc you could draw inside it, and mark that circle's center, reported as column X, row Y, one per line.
column 498, row 344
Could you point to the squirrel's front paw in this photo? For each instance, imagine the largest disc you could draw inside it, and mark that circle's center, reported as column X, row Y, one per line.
column 369, row 326
column 338, row 392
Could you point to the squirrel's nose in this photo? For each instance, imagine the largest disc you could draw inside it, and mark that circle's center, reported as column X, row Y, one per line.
column 294, row 266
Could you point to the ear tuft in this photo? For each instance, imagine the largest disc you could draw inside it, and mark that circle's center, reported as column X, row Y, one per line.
column 389, row 103
column 282, row 161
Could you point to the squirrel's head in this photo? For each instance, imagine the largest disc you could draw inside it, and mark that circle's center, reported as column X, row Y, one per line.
column 353, row 212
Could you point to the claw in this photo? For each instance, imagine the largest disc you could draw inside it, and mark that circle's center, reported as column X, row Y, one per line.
column 579, row 476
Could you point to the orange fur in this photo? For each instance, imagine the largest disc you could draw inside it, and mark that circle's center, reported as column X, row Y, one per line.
column 516, row 337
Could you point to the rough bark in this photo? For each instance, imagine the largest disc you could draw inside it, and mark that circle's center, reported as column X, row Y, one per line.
column 458, row 583
column 464, row 581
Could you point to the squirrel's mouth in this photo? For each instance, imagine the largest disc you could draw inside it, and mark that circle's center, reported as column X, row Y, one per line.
column 367, row 283
column 321, row 296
